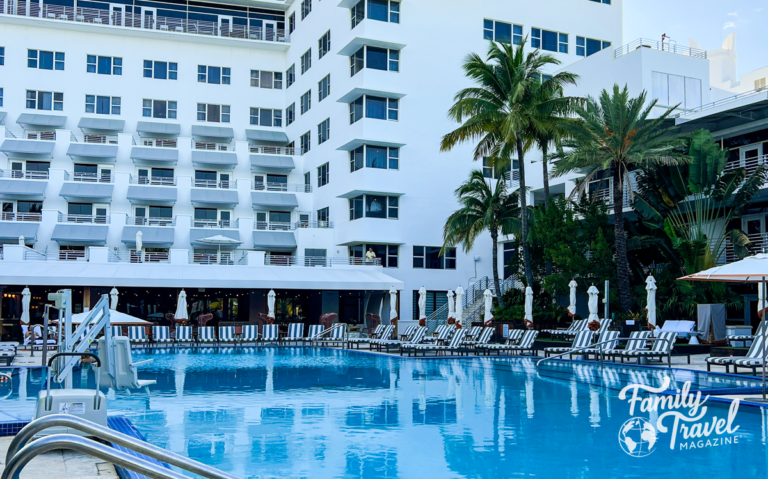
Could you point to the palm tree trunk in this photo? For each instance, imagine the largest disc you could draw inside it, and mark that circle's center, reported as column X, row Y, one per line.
column 546, row 174
column 496, row 284
column 622, row 264
column 524, row 213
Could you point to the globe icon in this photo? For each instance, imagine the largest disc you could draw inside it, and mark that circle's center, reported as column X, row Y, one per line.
column 637, row 437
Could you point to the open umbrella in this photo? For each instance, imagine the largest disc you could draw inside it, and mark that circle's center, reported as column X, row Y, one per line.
column 422, row 304
column 219, row 240
column 528, row 307
column 488, row 316
column 115, row 319
column 113, row 299
column 392, row 305
column 451, row 308
column 181, row 307
column 25, row 297
column 752, row 269
column 572, row 306
column 650, row 286
column 592, row 304
column 459, row 306
column 271, row 304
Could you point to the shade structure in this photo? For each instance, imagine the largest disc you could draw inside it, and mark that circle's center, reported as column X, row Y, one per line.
column 592, row 303
column 12, row 231
column 25, row 297
column 392, row 304
column 451, row 306
column 139, row 244
column 113, row 299
column 572, row 303
column 422, row 303
column 650, row 287
column 181, row 307
column 528, row 304
column 220, row 240
column 488, row 300
column 459, row 305
column 271, row 304
column 116, row 318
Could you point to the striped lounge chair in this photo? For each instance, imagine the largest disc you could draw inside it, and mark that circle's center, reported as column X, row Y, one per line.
column 338, row 335
column 160, row 335
column 250, row 334
column 661, row 348
column 8, row 352
column 417, row 337
column 574, row 326
column 227, row 335
column 408, row 333
column 583, row 325
column 206, row 334
column 513, row 338
column 456, row 345
column 753, row 358
column 269, row 333
column 443, row 334
column 473, row 333
column 137, row 334
column 581, row 341
column 295, row 333
column 639, row 342
column 606, row 345
column 526, row 343
column 116, row 331
column 352, row 342
column 483, row 338
column 314, row 333
column 184, row 334
column 604, row 325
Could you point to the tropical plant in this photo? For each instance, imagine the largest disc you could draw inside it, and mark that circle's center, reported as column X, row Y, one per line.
column 614, row 135
column 695, row 203
column 499, row 111
column 484, row 207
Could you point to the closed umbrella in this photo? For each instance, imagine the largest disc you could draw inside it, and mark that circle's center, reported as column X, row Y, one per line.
column 451, row 308
column 488, row 316
column 392, row 305
column 271, row 304
column 650, row 287
column 592, row 304
column 220, row 240
column 21, row 241
column 760, row 300
column 422, row 305
column 528, row 306
column 459, row 306
column 25, row 297
column 181, row 307
column 572, row 306
column 113, row 299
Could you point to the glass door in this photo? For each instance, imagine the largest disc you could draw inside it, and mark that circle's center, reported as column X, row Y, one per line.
column 101, row 214
column 270, row 31
column 224, row 180
column 225, row 26
column 749, row 157
column 105, row 174
column 141, row 216
column 117, row 15
column 148, row 18
column 754, row 227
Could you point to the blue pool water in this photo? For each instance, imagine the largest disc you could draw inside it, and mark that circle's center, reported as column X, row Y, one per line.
column 296, row 412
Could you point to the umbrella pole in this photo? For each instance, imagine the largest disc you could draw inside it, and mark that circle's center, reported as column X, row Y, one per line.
column 761, row 305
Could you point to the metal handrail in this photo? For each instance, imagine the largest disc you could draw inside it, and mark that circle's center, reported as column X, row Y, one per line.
column 19, row 453
column 592, row 346
column 320, row 334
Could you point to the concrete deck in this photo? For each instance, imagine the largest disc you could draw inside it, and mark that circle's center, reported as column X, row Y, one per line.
column 60, row 465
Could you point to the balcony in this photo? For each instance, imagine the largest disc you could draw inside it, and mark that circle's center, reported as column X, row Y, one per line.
column 155, row 190
column 154, row 180
column 81, row 230
column 144, row 221
column 92, row 177
column 87, row 191
column 18, row 225
column 34, row 217
column 667, row 46
column 281, row 187
column 18, row 184
column 202, row 223
column 318, row 261
column 129, row 20
column 136, row 257
column 224, row 258
column 24, row 175
column 750, row 164
column 277, row 226
column 273, row 150
column 89, row 219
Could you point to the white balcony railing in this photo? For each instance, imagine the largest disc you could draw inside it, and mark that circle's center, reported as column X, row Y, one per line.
column 98, row 139
column 39, row 135
column 73, row 255
column 34, row 217
column 224, row 185
column 24, row 175
column 321, row 261
column 144, row 221
column 724, row 101
column 200, row 223
column 93, row 219
column 269, row 186
column 159, row 143
column 666, row 46
column 154, row 180
column 211, row 146
column 92, row 177
column 273, row 226
column 750, row 164
column 273, row 150
column 224, row 258
column 312, row 224
column 102, row 17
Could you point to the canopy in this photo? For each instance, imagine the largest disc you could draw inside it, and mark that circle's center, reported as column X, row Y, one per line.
column 592, row 304
column 751, row 269
column 116, row 318
column 219, row 240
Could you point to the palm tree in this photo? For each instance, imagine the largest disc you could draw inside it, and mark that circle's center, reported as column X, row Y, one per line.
column 498, row 112
column 483, row 207
column 614, row 135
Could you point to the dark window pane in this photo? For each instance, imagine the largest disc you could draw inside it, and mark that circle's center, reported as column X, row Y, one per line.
column 503, row 32
column 375, row 206
column 161, row 70
column 432, row 257
column 159, row 109
column 214, row 75
column 46, row 60
column 376, row 157
column 376, row 107
column 593, row 46
column 549, row 41
column 377, row 58
column 378, row 10
column 105, row 65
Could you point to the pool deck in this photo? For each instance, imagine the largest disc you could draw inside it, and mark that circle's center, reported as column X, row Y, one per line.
column 61, row 464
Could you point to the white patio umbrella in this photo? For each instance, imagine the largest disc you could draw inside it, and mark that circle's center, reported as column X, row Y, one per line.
column 650, row 287
column 25, row 297
column 459, row 305
column 752, row 269
column 139, row 234
column 116, row 318
column 760, row 299
column 113, row 299
column 392, row 304
column 451, row 306
column 488, row 298
column 422, row 303
column 271, row 304
column 592, row 304
column 528, row 305
column 181, row 307
column 572, row 306
column 220, row 240
column 21, row 241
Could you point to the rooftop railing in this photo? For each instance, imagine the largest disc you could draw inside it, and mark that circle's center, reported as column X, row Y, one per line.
column 273, row 150
column 318, row 261
column 667, row 46
column 284, row 187
column 102, row 17
column 723, row 101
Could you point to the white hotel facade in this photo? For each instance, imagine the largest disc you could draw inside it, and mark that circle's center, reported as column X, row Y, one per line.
column 303, row 129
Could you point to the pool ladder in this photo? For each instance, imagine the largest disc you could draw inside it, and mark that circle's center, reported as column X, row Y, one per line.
column 20, row 453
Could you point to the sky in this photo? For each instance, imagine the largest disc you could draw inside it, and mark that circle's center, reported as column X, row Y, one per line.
column 708, row 22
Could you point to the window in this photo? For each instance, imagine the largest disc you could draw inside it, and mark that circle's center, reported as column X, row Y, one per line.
column 324, row 88
column 373, row 206
column 375, row 58
column 290, row 76
column 292, row 22
column 324, row 131
column 306, row 61
column 387, row 254
column 307, row 182
column 269, row 80
column 102, row 105
column 671, row 90
column 607, row 2
column 1, row 97
column 429, row 257
column 435, row 301
column 324, row 44
column 2, row 56
column 44, row 60
column 290, row 114
column 306, row 8
column 550, row 41
column 214, row 75
column 306, row 101
column 160, row 70
column 213, row 113
column 159, row 109
column 370, row 156
column 306, row 143
column 323, row 174
column 45, row 100
column 266, row 117
column 502, row 32
column 489, row 171
column 358, row 13
column 384, row 10
column 104, row 65
column 588, row 46
column 379, row 108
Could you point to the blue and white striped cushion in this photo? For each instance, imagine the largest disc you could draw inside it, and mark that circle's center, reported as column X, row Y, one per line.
column 183, row 333
column 206, row 334
column 250, row 333
column 137, row 334
column 227, row 333
column 160, row 334
column 295, row 331
column 269, row 333
column 339, row 332
column 116, row 331
column 527, row 342
column 314, row 331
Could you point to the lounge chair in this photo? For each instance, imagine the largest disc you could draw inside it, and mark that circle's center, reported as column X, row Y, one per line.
column 408, row 333
column 8, row 352
column 227, row 335
column 583, row 325
column 184, row 334
column 314, row 333
column 160, row 335
column 269, row 333
column 604, row 325
column 117, row 331
column 442, row 334
column 473, row 333
column 250, row 334
column 581, row 341
column 384, row 339
column 661, row 348
column 637, row 340
column 457, row 345
column 338, row 335
column 295, row 333
column 606, row 344
column 417, row 338
column 137, row 334
column 753, row 358
column 206, row 335
column 526, row 342
column 484, row 338
column 513, row 339
column 381, row 332
column 576, row 323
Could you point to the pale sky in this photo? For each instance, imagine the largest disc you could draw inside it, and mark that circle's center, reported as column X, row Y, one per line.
column 708, row 22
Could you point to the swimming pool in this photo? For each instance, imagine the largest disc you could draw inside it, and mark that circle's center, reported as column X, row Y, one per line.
column 312, row 412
